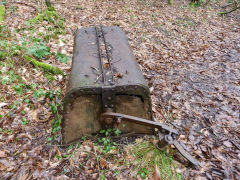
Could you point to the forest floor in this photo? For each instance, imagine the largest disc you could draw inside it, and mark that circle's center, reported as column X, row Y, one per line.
column 190, row 57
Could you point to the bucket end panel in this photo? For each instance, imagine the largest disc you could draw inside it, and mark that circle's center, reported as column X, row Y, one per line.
column 81, row 117
column 133, row 106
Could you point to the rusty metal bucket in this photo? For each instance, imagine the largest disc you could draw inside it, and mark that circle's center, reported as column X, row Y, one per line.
column 105, row 77
column 107, row 89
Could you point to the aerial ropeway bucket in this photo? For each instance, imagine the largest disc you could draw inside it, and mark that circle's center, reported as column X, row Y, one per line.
column 107, row 90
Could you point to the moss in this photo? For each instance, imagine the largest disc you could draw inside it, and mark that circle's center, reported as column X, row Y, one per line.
column 2, row 13
column 44, row 66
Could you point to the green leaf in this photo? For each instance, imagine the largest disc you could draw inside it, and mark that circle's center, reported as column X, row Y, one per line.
column 98, row 158
column 143, row 175
column 62, row 58
column 102, row 131
column 117, row 132
column 38, row 93
column 107, row 133
column 84, row 138
column 102, row 177
column 24, row 121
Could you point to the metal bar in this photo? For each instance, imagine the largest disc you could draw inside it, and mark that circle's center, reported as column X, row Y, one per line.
column 140, row 121
column 185, row 153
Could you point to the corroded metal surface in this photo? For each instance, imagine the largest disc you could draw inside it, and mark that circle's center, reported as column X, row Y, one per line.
column 87, row 97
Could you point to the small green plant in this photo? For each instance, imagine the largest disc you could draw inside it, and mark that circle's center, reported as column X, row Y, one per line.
column 55, row 106
column 13, row 9
column 143, row 173
column 3, row 31
column 39, row 50
column 56, row 124
column 9, row 131
column 49, row 76
column 24, row 121
column 117, row 132
column 11, row 77
column 14, row 104
column 38, row 93
column 62, row 58
column 102, row 176
column 55, row 23
column 19, row 88
column 108, row 145
column 197, row 3
column 49, row 15
column 84, row 138
column 58, row 156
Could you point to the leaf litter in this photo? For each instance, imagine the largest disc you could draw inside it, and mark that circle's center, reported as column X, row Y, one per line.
column 191, row 60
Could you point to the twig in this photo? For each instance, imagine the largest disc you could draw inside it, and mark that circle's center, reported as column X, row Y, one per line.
column 98, row 74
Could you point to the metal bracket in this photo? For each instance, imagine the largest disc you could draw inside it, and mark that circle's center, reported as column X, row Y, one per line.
column 108, row 92
column 108, row 98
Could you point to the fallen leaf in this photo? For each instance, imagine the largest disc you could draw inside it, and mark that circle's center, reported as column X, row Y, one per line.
column 103, row 164
column 227, row 144
column 3, row 154
column 3, row 104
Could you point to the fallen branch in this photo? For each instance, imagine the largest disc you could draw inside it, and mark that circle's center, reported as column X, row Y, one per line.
column 44, row 66
column 227, row 12
column 22, row 3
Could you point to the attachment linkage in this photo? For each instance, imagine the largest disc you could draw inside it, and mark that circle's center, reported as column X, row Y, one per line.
column 170, row 136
